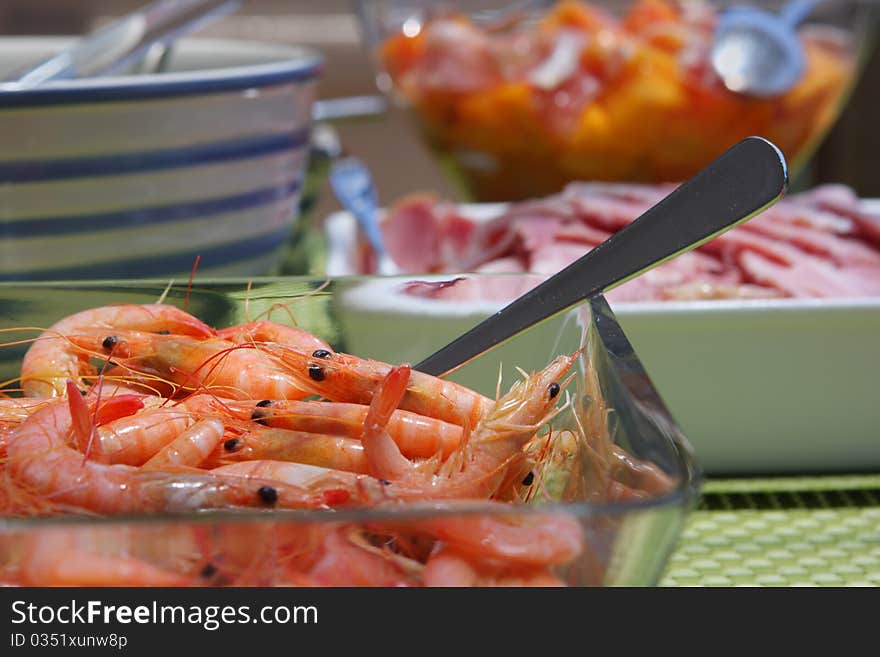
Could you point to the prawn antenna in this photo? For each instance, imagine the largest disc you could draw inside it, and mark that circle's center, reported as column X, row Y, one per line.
column 498, row 383
column 286, row 308
column 192, row 275
column 99, row 388
column 165, row 292
column 247, row 300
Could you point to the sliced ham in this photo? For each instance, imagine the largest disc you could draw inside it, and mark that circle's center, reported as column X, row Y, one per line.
column 509, row 265
column 867, row 227
column 843, row 201
column 729, row 245
column 842, row 251
column 412, row 234
column 644, row 195
column 582, row 233
column 801, row 214
column 553, row 257
column 808, row 277
column 821, row 243
column 608, row 213
column 702, row 291
column 457, row 240
column 536, row 232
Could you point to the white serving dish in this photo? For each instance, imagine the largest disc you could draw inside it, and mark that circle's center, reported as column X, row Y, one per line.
column 133, row 176
column 758, row 386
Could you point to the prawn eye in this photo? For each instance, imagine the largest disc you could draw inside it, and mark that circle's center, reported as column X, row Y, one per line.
column 209, row 570
column 231, row 445
column 316, row 372
column 322, row 353
column 109, row 342
column 528, row 479
column 268, row 494
column 264, row 403
column 554, row 389
column 259, row 417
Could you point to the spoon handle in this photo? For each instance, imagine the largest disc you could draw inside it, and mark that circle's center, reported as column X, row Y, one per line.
column 796, row 11
column 353, row 185
column 743, row 181
column 110, row 48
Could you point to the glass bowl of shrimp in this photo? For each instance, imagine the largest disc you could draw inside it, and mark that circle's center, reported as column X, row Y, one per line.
column 518, row 99
column 242, row 433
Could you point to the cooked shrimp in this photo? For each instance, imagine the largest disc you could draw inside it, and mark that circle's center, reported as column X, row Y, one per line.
column 342, row 562
column 14, row 411
column 40, row 459
column 638, row 475
column 251, row 438
column 336, row 452
column 53, row 359
column 193, row 364
column 417, row 436
column 524, row 540
column 447, row 568
column 266, row 331
column 176, row 399
column 120, row 381
column 65, row 557
column 479, row 465
column 346, row 378
column 336, row 487
column 275, row 370
column 191, row 447
column 136, row 439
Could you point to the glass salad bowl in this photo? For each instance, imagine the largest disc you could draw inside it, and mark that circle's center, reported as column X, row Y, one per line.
column 616, row 476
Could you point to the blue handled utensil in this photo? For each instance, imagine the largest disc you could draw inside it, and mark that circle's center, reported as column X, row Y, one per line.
column 353, row 185
column 758, row 53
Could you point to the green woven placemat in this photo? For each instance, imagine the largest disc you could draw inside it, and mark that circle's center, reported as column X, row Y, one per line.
column 785, row 531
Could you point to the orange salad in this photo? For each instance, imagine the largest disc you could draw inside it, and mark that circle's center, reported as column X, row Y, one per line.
column 521, row 109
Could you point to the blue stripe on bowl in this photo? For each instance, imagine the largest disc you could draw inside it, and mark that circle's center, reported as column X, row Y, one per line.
column 134, row 218
column 22, row 171
column 162, row 85
column 160, row 264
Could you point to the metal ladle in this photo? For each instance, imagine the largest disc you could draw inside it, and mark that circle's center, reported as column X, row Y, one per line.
column 126, row 42
column 758, row 53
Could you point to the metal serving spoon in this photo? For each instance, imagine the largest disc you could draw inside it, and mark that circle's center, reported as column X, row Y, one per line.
column 353, row 185
column 127, row 41
column 142, row 42
column 742, row 182
column 758, row 53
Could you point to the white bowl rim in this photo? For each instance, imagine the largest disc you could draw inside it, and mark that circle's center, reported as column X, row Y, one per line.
column 295, row 64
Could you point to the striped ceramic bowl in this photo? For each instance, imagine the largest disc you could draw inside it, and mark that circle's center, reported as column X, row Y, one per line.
column 140, row 175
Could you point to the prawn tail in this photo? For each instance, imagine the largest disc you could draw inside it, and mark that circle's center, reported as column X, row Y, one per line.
column 388, row 396
column 118, row 407
column 181, row 322
column 83, row 426
column 382, row 453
